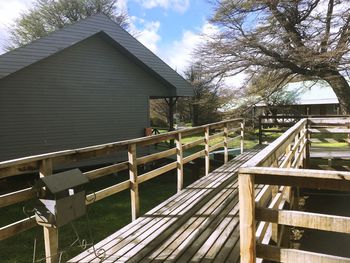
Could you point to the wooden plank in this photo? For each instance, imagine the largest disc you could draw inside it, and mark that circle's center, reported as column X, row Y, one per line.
column 179, row 162
column 156, row 172
column 216, row 135
column 330, row 121
column 233, row 138
column 216, row 146
column 111, row 190
column 192, row 144
column 187, row 233
column 324, row 222
column 50, row 233
column 156, row 156
column 317, row 179
column 103, row 171
column 134, row 189
column 187, row 199
column 16, row 197
column 51, row 244
column 329, row 140
column 17, row 227
column 329, row 130
column 247, row 217
column 193, row 156
column 294, row 255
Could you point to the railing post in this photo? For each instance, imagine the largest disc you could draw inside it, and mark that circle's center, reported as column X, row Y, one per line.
column 242, row 136
column 306, row 163
column 180, row 167
column 247, row 217
column 226, row 143
column 134, row 190
column 207, row 157
column 260, row 130
column 50, row 233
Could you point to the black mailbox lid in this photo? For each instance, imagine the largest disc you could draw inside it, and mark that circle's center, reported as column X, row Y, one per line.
column 62, row 181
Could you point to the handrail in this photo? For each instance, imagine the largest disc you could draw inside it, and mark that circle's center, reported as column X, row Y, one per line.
column 45, row 164
column 275, row 168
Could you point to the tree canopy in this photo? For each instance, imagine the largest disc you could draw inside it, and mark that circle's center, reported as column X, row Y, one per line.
column 305, row 37
column 47, row 16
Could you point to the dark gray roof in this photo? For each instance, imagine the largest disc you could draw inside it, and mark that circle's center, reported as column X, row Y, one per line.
column 62, row 181
column 57, row 41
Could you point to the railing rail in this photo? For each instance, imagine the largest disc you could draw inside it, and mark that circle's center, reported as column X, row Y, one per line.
column 45, row 164
column 317, row 179
column 275, row 167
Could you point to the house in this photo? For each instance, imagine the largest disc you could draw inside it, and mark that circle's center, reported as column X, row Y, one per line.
column 89, row 83
column 311, row 98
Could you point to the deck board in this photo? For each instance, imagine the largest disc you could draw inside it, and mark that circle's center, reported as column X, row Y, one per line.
column 198, row 224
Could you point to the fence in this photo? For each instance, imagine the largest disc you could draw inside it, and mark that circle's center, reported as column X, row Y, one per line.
column 287, row 155
column 45, row 164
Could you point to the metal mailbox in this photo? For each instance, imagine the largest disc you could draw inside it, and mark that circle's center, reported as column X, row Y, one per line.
column 63, row 199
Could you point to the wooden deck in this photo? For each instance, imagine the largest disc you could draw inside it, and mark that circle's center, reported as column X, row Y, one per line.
column 200, row 223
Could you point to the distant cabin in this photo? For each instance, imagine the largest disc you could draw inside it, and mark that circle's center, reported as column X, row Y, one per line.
column 89, row 83
column 312, row 98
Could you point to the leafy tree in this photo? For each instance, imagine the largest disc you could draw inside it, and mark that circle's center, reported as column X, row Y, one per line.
column 47, row 16
column 308, row 38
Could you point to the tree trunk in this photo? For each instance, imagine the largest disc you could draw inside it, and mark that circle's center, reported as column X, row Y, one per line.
column 340, row 87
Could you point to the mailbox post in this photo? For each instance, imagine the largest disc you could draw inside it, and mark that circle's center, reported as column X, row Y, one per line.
column 62, row 201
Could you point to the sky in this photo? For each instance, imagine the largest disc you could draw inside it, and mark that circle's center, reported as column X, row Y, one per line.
column 170, row 28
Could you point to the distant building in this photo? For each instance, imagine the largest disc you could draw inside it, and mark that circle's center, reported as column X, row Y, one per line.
column 313, row 98
column 89, row 83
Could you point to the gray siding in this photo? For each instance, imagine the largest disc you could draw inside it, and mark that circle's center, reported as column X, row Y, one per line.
column 61, row 39
column 88, row 94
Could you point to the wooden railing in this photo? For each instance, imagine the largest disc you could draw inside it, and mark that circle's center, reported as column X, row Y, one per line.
column 279, row 124
column 275, row 168
column 45, row 164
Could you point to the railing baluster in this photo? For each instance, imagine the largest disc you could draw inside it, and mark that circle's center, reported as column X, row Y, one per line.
column 134, row 190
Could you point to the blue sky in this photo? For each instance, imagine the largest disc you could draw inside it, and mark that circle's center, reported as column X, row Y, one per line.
column 170, row 28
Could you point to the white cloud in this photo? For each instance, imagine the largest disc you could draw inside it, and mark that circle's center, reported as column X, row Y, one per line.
column 9, row 11
column 180, row 6
column 179, row 54
column 146, row 32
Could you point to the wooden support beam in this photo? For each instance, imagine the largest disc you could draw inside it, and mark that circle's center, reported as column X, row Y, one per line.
column 247, row 217
column 50, row 233
column 277, row 254
column 134, row 190
column 51, row 244
column 323, row 222
column 179, row 163
column 207, row 150
column 316, row 179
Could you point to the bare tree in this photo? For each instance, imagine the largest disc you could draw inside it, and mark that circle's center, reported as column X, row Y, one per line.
column 208, row 97
column 303, row 37
column 47, row 16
